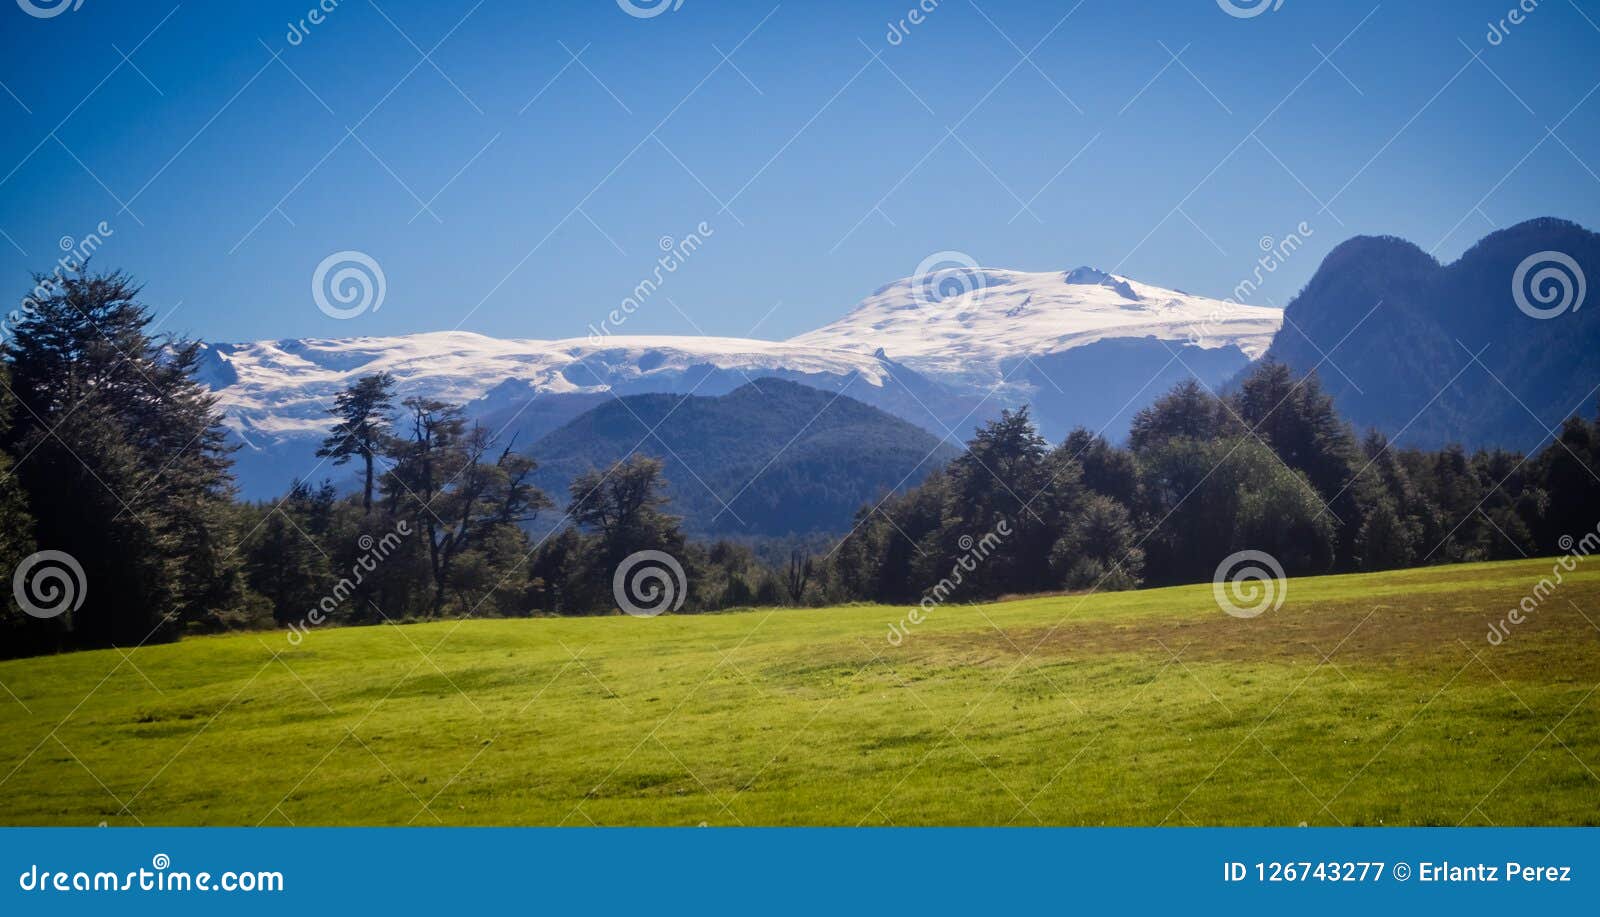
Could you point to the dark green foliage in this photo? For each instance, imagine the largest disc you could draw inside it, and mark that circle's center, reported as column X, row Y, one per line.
column 1567, row 474
column 449, row 535
column 1186, row 412
column 363, row 430
column 1385, row 541
column 1006, row 475
column 622, row 508
column 1100, row 548
column 1271, row 468
column 1297, row 421
column 122, row 459
column 1107, row 470
column 1215, row 497
column 284, row 562
column 19, row 634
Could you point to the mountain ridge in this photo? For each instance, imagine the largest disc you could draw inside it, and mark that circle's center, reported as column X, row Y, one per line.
column 1436, row 353
column 770, row 458
column 990, row 339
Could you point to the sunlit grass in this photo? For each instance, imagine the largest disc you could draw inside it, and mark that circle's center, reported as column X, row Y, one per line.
column 1363, row 700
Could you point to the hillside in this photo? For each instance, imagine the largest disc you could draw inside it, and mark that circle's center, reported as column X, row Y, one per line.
column 1406, row 328
column 1370, row 700
column 769, row 458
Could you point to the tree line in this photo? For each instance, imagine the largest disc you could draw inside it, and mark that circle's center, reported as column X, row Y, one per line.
column 1269, row 466
column 112, row 453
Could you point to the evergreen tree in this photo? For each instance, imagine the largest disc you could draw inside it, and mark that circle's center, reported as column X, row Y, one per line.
column 1569, row 468
column 20, row 634
column 624, row 507
column 284, row 561
column 1213, row 498
column 798, row 575
column 464, row 504
column 1004, row 476
column 1188, row 411
column 1107, row 470
column 364, row 427
column 127, row 467
column 1384, row 542
column 1297, row 420
column 1100, row 550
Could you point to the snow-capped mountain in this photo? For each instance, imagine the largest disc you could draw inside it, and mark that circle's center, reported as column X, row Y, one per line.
column 945, row 350
column 973, row 324
column 283, row 388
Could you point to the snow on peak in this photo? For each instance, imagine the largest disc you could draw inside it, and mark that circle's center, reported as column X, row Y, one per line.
column 284, row 388
column 967, row 322
column 960, row 326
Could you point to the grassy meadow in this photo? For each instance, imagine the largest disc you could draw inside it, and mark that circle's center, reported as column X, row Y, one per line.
column 1363, row 700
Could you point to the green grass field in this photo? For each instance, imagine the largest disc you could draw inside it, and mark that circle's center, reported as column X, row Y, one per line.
column 1364, row 700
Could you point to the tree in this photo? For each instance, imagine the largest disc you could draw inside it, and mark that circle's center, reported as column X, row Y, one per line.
column 1384, row 542
column 1451, row 483
column 283, row 560
column 127, row 467
column 624, row 506
column 1213, row 498
column 1107, row 470
column 1298, row 421
column 1570, row 467
column 364, row 427
column 1396, row 524
column 464, row 504
column 799, row 573
column 1100, row 550
column 1188, row 411
column 1005, row 476
column 20, row 634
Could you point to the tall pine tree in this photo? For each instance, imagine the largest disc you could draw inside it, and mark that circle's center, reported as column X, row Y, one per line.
column 126, row 464
column 364, row 427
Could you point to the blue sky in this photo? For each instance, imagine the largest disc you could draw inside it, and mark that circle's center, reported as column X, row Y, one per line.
column 823, row 171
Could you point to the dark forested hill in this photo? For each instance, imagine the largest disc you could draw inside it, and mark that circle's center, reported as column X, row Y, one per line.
column 1392, row 333
column 782, row 457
